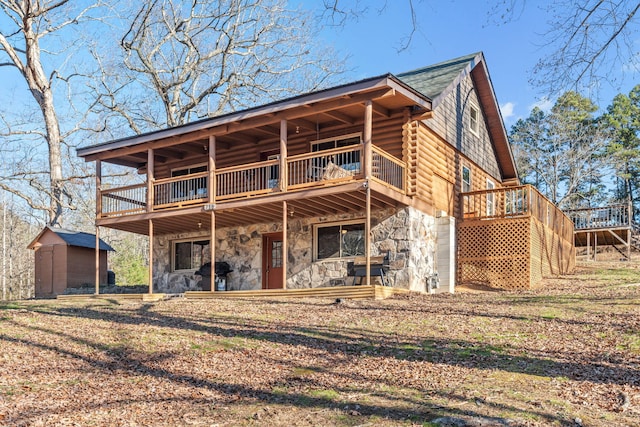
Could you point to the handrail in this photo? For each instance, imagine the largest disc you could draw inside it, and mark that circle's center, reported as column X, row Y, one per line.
column 513, row 202
column 325, row 167
column 612, row 216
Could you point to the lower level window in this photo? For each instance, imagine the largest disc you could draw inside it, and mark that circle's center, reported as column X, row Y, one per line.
column 190, row 255
column 339, row 240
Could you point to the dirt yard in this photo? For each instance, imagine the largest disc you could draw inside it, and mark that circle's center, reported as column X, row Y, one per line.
column 567, row 354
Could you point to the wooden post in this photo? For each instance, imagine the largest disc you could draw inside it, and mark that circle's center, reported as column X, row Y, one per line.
column 284, row 176
column 212, row 247
column 150, row 256
column 367, row 236
column 285, row 249
column 368, row 118
column 588, row 245
column 150, row 179
column 630, row 228
column 368, row 162
column 98, row 188
column 595, row 246
column 211, row 194
column 97, row 292
column 98, row 214
column 211, row 191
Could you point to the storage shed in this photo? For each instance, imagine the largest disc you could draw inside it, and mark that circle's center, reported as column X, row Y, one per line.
column 66, row 259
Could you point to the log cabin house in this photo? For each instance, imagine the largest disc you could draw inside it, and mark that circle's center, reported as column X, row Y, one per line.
column 416, row 167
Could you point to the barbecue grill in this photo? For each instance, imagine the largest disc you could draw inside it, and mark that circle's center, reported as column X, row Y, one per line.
column 222, row 269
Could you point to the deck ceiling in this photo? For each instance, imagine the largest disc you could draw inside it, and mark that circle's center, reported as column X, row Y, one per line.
column 255, row 130
column 266, row 210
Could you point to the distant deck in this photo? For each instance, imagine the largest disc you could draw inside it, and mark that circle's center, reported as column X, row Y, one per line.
column 605, row 226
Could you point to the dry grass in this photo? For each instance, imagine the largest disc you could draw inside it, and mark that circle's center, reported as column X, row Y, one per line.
column 565, row 354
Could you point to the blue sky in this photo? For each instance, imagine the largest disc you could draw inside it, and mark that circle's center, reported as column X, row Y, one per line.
column 449, row 29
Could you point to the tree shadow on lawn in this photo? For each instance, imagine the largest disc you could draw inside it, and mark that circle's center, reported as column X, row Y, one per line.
column 126, row 362
column 357, row 342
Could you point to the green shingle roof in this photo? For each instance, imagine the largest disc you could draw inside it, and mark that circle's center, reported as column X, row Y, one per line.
column 434, row 79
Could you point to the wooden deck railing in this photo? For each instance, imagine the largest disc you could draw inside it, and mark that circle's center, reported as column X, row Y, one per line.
column 512, row 202
column 327, row 167
column 322, row 166
column 388, row 169
column 124, row 200
column 601, row 217
column 247, row 180
column 180, row 189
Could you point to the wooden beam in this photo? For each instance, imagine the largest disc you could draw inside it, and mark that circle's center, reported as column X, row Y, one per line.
column 383, row 112
column 98, row 188
column 212, row 248
column 284, row 176
column 150, row 179
column 305, row 124
column 285, row 249
column 368, row 119
column 367, row 236
column 341, row 117
column 150, row 256
column 211, row 190
column 97, row 290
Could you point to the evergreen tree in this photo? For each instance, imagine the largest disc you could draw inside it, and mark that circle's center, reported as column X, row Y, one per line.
column 623, row 147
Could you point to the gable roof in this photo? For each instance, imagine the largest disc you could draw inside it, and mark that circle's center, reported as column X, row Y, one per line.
column 73, row 238
column 438, row 80
column 434, row 79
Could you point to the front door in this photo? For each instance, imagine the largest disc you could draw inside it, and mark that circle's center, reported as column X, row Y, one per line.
column 44, row 271
column 272, row 261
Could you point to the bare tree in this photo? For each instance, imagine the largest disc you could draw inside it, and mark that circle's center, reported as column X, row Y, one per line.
column 589, row 41
column 29, row 23
column 184, row 61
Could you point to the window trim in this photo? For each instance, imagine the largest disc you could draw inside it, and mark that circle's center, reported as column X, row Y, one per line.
column 335, row 139
column 474, row 125
column 470, row 183
column 188, row 168
column 491, row 198
column 173, row 252
column 332, row 224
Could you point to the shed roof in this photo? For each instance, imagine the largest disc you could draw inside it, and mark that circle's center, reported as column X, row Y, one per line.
column 73, row 238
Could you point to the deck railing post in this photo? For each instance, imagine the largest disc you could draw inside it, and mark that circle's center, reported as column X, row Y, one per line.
column 150, row 256
column 150, row 179
column 284, row 176
column 211, row 191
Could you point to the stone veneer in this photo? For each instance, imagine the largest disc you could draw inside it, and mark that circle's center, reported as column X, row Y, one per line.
column 407, row 233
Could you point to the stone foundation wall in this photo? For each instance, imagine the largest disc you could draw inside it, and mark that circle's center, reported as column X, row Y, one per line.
column 407, row 233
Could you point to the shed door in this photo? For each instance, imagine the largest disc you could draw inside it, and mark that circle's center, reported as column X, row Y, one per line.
column 44, row 271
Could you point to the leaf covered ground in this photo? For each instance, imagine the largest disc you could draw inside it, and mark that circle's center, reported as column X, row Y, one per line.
column 565, row 354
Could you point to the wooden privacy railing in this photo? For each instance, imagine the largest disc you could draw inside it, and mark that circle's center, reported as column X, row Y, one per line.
column 388, row 169
column 510, row 202
column 601, row 217
column 326, row 165
column 248, row 180
column 124, row 200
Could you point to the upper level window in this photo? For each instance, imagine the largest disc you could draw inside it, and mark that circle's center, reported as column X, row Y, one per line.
column 474, row 119
column 339, row 240
column 466, row 179
column 337, row 142
column 190, row 254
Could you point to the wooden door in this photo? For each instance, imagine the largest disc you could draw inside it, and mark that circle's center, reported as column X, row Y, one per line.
column 272, row 261
column 44, row 271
